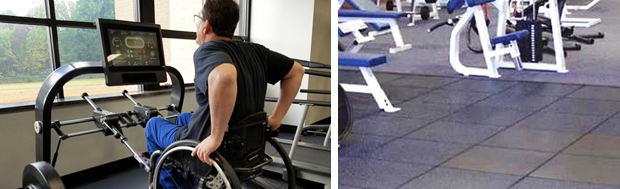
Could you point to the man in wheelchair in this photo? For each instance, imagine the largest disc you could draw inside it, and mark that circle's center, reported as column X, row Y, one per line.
column 231, row 81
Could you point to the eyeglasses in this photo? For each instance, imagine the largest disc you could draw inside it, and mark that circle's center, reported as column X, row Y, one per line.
column 198, row 18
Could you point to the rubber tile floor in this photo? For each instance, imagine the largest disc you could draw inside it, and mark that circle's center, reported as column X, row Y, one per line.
column 468, row 132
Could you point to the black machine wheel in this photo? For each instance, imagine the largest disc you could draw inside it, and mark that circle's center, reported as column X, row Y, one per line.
column 41, row 175
column 345, row 116
column 425, row 12
column 181, row 151
column 291, row 174
column 389, row 5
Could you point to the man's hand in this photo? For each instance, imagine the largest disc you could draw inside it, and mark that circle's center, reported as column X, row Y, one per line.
column 274, row 122
column 206, row 147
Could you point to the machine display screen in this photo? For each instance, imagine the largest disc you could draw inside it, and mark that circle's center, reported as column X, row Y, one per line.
column 133, row 48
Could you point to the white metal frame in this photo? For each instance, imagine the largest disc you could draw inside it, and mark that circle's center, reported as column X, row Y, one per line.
column 568, row 21
column 494, row 59
column 372, row 87
column 583, row 7
column 394, row 28
column 372, row 84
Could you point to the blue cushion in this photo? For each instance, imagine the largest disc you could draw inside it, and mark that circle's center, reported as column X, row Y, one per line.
column 472, row 3
column 370, row 14
column 509, row 37
column 360, row 60
column 454, row 5
column 365, row 5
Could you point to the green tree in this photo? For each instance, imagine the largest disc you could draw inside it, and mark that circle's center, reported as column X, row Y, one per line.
column 7, row 58
column 37, row 62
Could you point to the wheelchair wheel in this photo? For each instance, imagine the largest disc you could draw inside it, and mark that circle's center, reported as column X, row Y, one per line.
column 291, row 174
column 345, row 120
column 196, row 174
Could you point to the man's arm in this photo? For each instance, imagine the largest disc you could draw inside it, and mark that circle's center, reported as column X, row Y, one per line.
column 222, row 82
column 289, row 86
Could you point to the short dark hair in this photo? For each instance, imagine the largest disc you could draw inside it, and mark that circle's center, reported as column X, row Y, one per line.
column 223, row 16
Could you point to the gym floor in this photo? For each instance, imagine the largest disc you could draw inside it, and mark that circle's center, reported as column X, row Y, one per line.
column 457, row 132
column 595, row 64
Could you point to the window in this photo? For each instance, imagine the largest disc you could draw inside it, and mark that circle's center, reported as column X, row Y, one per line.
column 173, row 15
column 36, row 8
column 179, row 54
column 90, row 10
column 24, row 61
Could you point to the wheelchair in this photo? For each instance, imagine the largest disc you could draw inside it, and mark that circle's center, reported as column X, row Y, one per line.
column 240, row 158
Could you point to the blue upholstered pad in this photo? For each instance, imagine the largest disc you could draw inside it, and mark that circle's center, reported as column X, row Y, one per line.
column 360, row 60
column 509, row 37
column 370, row 14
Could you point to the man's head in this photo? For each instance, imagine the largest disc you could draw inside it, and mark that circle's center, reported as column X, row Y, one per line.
column 217, row 19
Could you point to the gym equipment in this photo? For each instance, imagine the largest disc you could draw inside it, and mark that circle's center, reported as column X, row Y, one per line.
column 583, row 7
column 345, row 117
column 543, row 24
column 354, row 27
column 568, row 21
column 364, row 62
column 419, row 9
column 41, row 175
column 494, row 56
column 317, row 168
column 244, row 152
column 379, row 20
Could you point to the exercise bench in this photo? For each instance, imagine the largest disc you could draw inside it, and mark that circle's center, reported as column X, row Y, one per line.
column 381, row 21
column 364, row 62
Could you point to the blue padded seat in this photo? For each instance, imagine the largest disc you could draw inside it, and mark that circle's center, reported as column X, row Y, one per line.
column 505, row 39
column 366, row 5
column 370, row 14
column 360, row 60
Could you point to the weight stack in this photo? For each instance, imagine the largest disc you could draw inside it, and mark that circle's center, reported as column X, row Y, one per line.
column 530, row 47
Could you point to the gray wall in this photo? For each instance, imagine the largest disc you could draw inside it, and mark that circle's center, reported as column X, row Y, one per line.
column 18, row 138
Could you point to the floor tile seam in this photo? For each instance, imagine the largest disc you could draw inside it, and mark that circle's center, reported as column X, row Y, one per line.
column 441, row 118
column 433, row 89
column 436, row 141
column 516, row 148
column 455, row 168
column 439, row 141
column 592, row 156
column 393, row 162
column 568, row 146
column 580, row 182
column 593, row 99
column 557, row 131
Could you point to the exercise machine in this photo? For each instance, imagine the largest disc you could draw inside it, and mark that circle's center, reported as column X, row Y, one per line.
column 494, row 49
column 133, row 54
